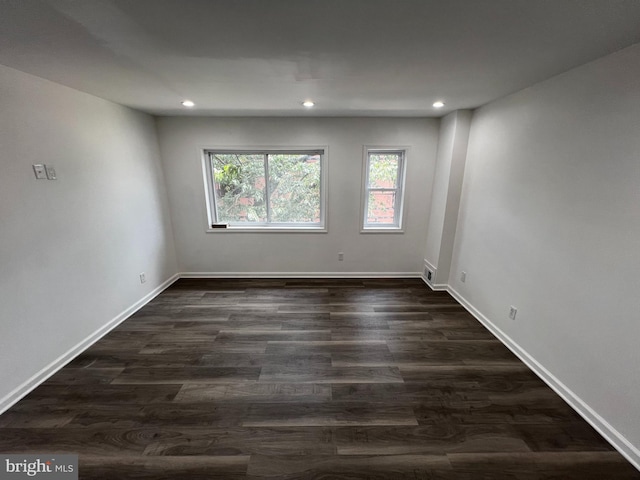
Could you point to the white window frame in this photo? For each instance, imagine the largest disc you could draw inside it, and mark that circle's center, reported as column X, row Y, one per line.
column 398, row 225
column 254, row 227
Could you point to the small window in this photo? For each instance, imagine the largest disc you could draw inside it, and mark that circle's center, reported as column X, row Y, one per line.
column 266, row 189
column 383, row 189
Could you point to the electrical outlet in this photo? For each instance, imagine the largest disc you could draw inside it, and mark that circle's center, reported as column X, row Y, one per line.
column 51, row 172
column 463, row 277
column 143, row 277
column 40, row 171
column 429, row 275
column 512, row 312
column 341, row 256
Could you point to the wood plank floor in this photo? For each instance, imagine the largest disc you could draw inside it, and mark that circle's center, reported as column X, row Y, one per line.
column 306, row 379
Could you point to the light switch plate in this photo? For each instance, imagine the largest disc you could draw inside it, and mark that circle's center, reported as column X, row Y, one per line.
column 51, row 172
column 40, row 171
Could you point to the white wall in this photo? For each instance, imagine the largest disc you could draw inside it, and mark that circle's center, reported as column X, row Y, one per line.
column 440, row 188
column 182, row 140
column 447, row 185
column 71, row 249
column 550, row 223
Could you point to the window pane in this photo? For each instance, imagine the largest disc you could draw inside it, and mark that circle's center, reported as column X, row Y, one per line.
column 383, row 170
column 381, row 207
column 294, row 188
column 239, row 185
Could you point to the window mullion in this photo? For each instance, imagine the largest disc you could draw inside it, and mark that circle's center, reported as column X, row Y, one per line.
column 267, row 193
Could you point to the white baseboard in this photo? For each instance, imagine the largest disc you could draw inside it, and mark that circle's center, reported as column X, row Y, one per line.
column 300, row 275
column 26, row 387
column 613, row 436
column 437, row 287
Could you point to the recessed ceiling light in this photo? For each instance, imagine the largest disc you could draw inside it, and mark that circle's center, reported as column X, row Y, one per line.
column 308, row 103
column 188, row 104
column 438, row 104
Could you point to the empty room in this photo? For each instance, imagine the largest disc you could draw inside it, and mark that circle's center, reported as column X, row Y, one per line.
column 314, row 239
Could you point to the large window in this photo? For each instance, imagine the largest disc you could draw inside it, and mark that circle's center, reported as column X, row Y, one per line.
column 383, row 189
column 266, row 189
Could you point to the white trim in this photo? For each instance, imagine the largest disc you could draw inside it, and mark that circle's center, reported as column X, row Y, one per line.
column 436, row 287
column 209, row 190
column 239, row 229
column 398, row 226
column 300, row 275
column 381, row 230
column 26, row 387
column 613, row 436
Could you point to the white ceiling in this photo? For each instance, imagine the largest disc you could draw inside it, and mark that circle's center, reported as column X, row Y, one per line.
column 352, row 57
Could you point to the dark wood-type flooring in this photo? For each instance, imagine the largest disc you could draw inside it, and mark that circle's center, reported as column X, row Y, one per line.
column 306, row 379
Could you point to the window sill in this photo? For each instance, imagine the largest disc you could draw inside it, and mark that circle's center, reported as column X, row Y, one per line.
column 382, row 230
column 268, row 230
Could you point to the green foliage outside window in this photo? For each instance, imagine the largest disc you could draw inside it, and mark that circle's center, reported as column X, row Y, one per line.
column 383, row 170
column 292, row 194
